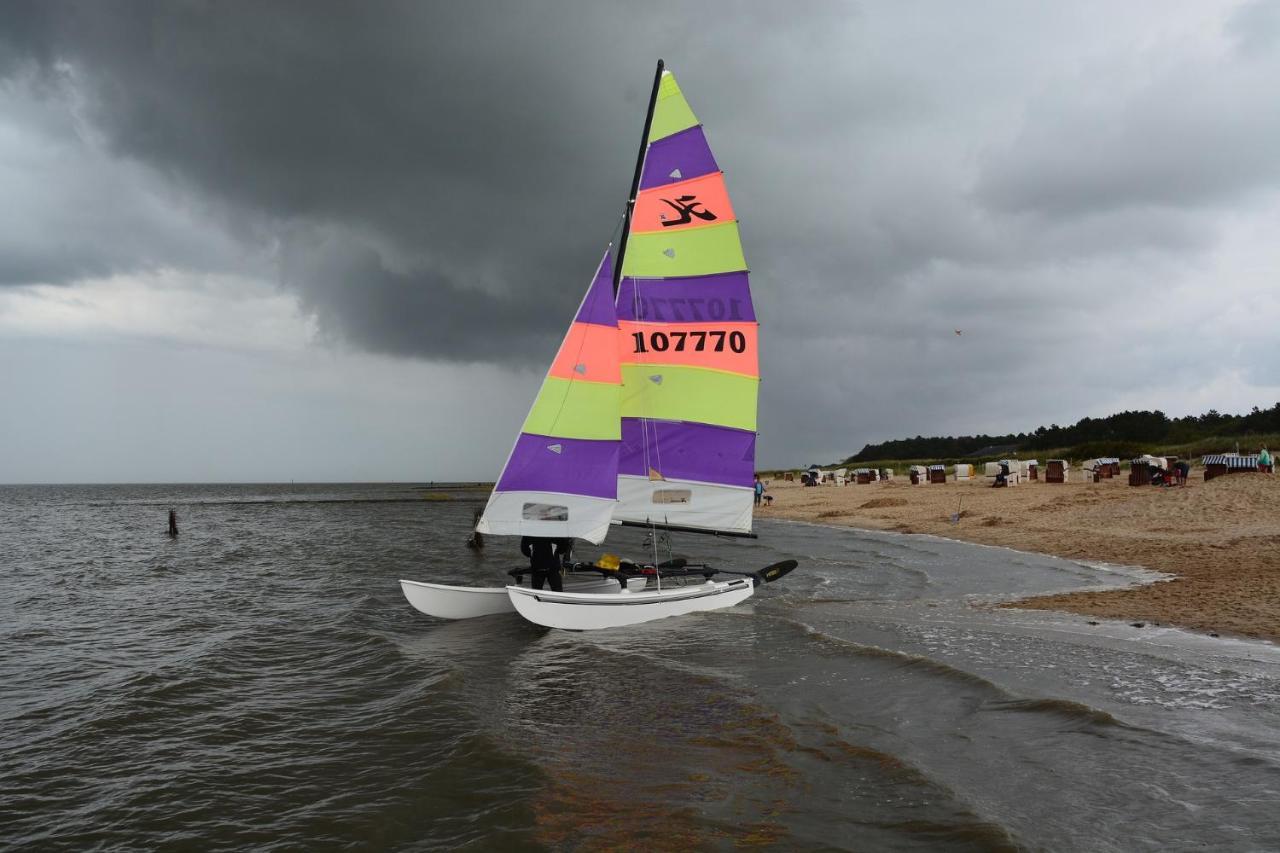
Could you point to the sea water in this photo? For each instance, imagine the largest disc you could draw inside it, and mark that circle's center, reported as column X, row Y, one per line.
column 259, row 682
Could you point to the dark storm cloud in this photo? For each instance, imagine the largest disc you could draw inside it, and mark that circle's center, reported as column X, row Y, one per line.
column 70, row 211
column 483, row 149
column 486, row 146
column 349, row 286
column 439, row 179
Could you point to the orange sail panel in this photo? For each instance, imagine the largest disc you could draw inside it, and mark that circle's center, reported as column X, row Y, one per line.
column 588, row 354
column 687, row 204
column 730, row 347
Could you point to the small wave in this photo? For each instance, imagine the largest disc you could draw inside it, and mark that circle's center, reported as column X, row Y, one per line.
column 978, row 836
column 1064, row 708
column 902, row 659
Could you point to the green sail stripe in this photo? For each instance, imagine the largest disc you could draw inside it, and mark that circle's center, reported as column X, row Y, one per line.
column 671, row 114
column 673, row 393
column 691, row 251
column 569, row 409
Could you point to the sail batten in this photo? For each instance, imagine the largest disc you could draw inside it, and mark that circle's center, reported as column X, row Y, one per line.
column 688, row 337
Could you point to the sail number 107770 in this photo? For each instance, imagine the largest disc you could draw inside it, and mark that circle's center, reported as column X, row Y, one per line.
column 700, row 341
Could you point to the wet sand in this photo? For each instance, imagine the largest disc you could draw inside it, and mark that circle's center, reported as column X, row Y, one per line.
column 1220, row 540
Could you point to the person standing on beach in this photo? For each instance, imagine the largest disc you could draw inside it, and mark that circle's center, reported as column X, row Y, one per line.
column 759, row 490
column 543, row 561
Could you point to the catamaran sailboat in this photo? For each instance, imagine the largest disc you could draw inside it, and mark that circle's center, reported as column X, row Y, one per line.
column 647, row 416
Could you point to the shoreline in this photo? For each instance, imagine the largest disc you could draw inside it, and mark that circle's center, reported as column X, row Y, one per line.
column 1217, row 543
column 1139, row 576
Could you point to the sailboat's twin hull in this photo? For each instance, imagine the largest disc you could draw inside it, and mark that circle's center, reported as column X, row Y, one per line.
column 585, row 605
column 580, row 611
column 468, row 602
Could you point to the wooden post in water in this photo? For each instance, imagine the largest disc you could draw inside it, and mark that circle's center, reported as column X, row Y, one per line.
column 173, row 523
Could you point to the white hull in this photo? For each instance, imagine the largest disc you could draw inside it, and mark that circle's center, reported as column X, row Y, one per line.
column 581, row 611
column 468, row 602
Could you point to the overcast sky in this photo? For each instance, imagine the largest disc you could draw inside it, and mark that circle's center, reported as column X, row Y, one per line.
column 271, row 241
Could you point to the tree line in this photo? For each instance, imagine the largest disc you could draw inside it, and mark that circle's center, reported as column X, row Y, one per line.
column 1128, row 428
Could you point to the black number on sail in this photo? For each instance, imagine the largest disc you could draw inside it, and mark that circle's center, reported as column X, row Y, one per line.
column 695, row 341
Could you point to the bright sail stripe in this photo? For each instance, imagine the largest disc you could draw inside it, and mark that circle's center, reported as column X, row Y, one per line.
column 664, row 208
column 597, row 305
column 696, row 251
column 588, row 354
column 706, row 298
column 693, row 345
column 679, row 156
column 671, row 113
column 673, row 393
column 574, row 466
column 687, row 451
column 566, row 408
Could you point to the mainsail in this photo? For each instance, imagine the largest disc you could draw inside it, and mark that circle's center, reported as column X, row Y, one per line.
column 688, row 338
column 561, row 478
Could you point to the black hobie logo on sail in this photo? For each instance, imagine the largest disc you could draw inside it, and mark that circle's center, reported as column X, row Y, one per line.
column 687, row 206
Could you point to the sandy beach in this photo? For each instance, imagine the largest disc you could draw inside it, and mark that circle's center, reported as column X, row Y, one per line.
column 1221, row 539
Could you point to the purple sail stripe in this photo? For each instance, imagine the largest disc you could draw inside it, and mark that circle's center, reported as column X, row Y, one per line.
column 723, row 297
column 686, row 152
column 680, row 450
column 576, row 466
column 597, row 306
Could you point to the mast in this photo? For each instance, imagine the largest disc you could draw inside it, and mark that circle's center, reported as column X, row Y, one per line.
column 635, row 180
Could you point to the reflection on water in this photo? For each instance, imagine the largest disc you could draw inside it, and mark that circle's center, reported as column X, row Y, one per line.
column 259, row 681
